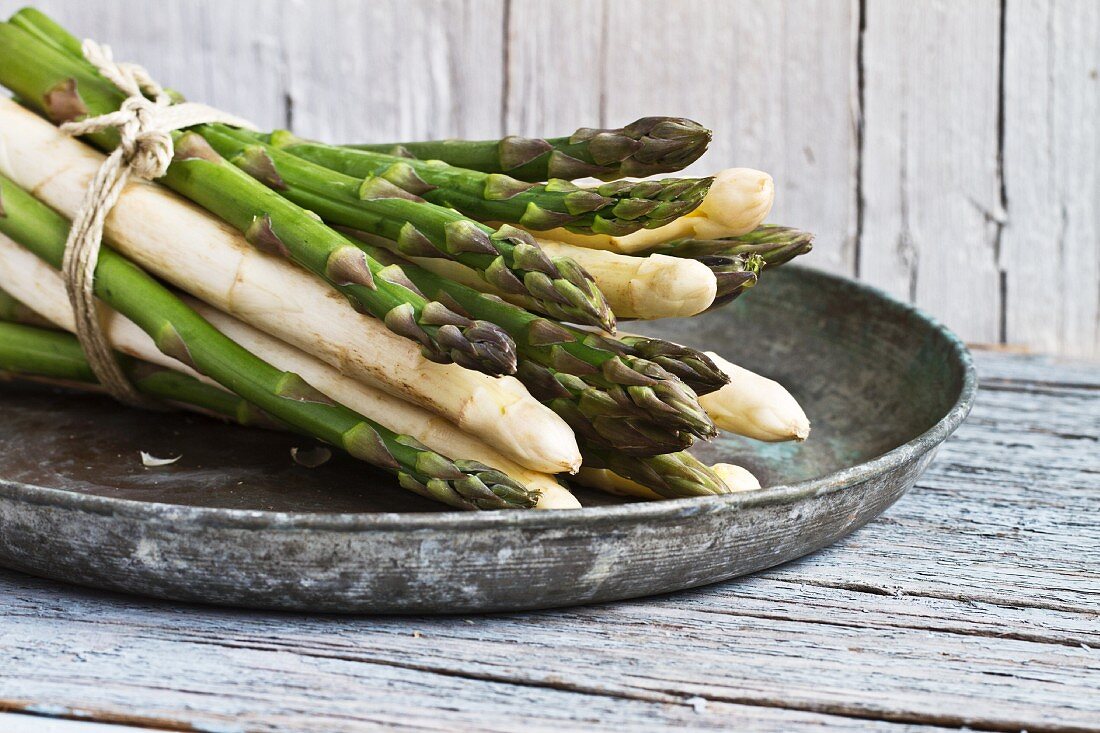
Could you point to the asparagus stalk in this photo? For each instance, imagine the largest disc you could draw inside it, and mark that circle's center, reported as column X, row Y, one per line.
column 735, row 478
column 13, row 310
column 199, row 254
column 616, row 208
column 737, row 262
column 43, row 353
column 669, row 476
column 754, row 406
column 182, row 334
column 645, row 147
column 64, row 87
column 610, row 395
column 39, row 287
column 435, row 432
column 775, row 245
column 738, row 201
column 47, row 293
column 646, row 287
column 508, row 258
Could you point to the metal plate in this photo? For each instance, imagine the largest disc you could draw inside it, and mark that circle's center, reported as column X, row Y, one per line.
column 235, row 522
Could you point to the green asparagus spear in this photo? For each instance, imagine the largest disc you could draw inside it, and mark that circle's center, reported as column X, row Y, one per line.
column 645, row 147
column 64, row 87
column 775, row 244
column 616, row 208
column 12, row 310
column 693, row 367
column 508, row 258
column 182, row 334
column 43, row 353
column 737, row 262
column 673, row 475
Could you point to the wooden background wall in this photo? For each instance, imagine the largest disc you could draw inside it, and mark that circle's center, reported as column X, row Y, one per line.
column 946, row 151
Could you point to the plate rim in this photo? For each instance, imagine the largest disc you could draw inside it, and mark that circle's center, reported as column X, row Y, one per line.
column 181, row 516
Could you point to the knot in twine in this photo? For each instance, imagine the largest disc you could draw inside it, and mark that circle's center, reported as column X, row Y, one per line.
column 145, row 129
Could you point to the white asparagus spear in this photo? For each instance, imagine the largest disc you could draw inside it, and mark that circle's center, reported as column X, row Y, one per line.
column 736, row 478
column 38, row 286
column 738, row 201
column 754, row 406
column 396, row 414
column 200, row 254
column 655, row 286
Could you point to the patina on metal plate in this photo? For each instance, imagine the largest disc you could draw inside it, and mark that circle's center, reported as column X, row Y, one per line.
column 234, row 521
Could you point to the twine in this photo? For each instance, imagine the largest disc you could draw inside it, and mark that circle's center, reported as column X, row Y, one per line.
column 145, row 149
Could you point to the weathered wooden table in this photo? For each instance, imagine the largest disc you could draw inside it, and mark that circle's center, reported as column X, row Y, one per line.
column 974, row 602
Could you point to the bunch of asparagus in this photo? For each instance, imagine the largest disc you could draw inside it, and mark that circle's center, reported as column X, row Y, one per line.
column 445, row 311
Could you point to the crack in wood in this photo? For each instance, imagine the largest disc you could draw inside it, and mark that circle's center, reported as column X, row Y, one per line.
column 33, row 709
column 929, row 593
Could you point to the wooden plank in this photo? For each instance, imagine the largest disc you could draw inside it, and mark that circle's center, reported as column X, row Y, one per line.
column 622, row 663
column 393, row 70
column 555, row 66
column 1037, row 369
column 258, row 679
column 929, row 181
column 224, row 54
column 776, row 82
column 1051, row 250
column 971, row 603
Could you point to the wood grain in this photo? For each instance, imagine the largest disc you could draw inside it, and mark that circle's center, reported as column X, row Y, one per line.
column 929, row 179
column 229, row 55
column 758, row 74
column 394, row 69
column 972, row 603
column 1051, row 159
column 554, row 69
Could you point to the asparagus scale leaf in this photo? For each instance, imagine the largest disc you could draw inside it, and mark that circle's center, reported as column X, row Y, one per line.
column 645, row 147
column 617, row 208
column 63, row 86
column 182, row 334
